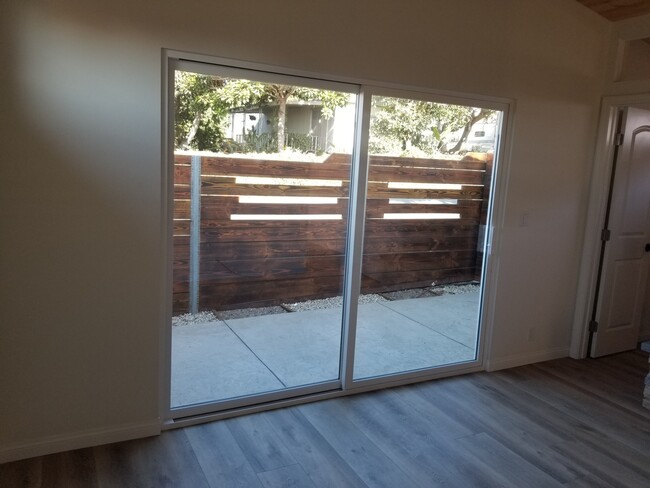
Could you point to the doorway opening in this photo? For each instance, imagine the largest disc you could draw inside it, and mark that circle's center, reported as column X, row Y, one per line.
column 613, row 309
column 327, row 236
column 624, row 263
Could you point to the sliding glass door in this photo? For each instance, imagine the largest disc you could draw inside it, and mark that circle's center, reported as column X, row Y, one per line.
column 429, row 173
column 326, row 236
column 261, row 167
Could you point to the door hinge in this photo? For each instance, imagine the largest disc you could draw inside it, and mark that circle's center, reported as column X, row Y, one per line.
column 593, row 326
column 619, row 139
column 605, row 235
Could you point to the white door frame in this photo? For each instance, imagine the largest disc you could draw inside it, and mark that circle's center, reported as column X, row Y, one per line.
column 170, row 60
column 598, row 196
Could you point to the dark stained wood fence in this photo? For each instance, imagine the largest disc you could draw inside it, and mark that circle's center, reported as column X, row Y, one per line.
column 245, row 263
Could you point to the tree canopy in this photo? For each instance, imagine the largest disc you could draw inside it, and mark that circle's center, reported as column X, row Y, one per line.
column 203, row 102
column 203, row 105
column 400, row 125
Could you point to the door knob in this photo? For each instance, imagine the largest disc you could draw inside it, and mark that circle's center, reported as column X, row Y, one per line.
column 647, row 247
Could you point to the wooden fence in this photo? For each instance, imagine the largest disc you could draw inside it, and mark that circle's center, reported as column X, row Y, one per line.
column 251, row 251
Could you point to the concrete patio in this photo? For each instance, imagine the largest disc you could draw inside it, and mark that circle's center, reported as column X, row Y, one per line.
column 235, row 357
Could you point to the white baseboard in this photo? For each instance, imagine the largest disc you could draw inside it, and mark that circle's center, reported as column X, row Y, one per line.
column 78, row 440
column 523, row 359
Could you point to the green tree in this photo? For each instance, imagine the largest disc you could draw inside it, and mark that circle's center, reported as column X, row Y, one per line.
column 472, row 117
column 204, row 102
column 400, row 124
column 198, row 111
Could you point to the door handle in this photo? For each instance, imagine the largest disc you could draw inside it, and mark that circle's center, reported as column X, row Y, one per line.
column 647, row 247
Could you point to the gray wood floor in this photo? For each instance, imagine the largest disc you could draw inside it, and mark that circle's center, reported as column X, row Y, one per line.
column 561, row 423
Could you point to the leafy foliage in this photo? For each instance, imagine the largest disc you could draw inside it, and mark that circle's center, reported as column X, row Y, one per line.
column 413, row 127
column 203, row 104
column 199, row 111
column 399, row 126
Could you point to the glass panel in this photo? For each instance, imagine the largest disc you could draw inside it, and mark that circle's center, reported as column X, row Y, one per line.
column 260, row 217
column 427, row 203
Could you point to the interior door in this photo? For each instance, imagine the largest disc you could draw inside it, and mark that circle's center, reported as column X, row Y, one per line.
column 625, row 260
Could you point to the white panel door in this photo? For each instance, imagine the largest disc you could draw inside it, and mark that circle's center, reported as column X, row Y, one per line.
column 625, row 262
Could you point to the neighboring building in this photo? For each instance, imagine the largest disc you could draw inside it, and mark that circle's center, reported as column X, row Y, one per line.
column 482, row 138
column 306, row 127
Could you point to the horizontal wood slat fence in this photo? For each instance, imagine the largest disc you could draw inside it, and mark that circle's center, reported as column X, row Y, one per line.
column 234, row 247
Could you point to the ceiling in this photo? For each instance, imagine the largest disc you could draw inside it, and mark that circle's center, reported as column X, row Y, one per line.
column 618, row 9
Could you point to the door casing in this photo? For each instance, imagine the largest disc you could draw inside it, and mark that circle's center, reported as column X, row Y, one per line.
column 623, row 255
column 597, row 210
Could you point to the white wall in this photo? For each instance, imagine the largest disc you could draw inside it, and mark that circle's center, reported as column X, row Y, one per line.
column 80, row 180
column 625, row 30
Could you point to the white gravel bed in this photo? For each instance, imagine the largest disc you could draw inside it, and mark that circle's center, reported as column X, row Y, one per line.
column 457, row 289
column 242, row 313
column 323, row 303
column 410, row 293
column 332, row 302
column 194, row 318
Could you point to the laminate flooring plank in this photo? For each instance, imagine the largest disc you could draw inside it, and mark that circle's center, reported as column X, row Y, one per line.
column 325, row 467
column 620, row 368
column 287, row 477
column 444, row 425
column 489, row 410
column 220, row 457
column 586, row 436
column 70, row 469
column 591, row 409
column 514, row 388
column 259, row 442
column 508, row 425
column 372, row 465
column 629, row 361
column 433, row 394
column 626, row 395
column 164, row 461
column 118, row 465
column 567, row 421
column 494, row 410
column 604, row 466
column 412, row 443
column 529, row 408
column 594, row 377
column 606, row 383
column 504, row 464
column 589, row 481
column 22, row 474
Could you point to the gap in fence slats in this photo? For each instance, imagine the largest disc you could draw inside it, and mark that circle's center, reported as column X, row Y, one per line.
column 248, row 263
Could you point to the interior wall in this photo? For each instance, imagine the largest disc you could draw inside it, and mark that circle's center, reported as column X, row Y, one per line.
column 82, row 258
column 620, row 81
column 635, row 60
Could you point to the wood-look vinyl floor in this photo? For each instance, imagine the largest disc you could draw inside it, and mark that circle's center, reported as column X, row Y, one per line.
column 561, row 423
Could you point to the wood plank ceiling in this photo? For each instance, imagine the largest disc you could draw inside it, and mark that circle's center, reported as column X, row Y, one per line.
column 615, row 10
